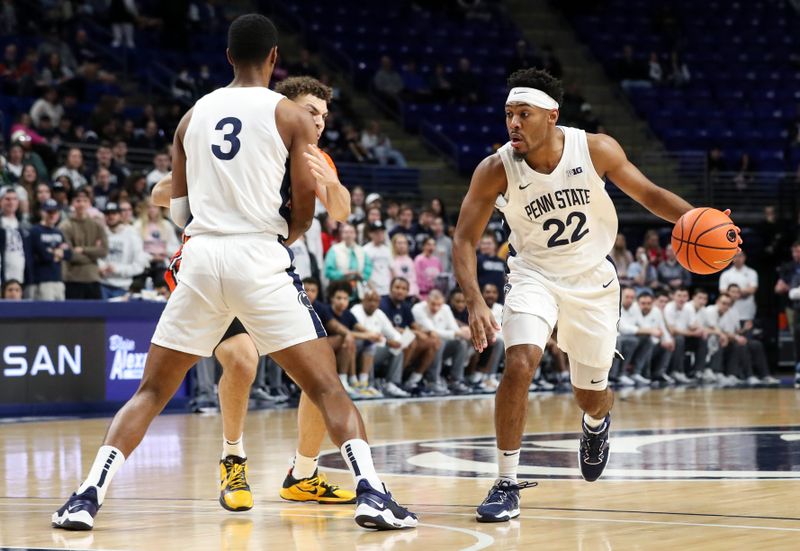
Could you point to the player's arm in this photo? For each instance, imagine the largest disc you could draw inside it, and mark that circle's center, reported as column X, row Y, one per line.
column 488, row 181
column 610, row 160
column 334, row 196
column 162, row 192
column 296, row 124
column 179, row 202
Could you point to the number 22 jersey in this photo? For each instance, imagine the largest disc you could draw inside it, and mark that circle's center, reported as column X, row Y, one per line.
column 562, row 223
column 235, row 164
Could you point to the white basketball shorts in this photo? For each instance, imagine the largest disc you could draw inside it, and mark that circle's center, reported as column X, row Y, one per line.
column 585, row 306
column 245, row 276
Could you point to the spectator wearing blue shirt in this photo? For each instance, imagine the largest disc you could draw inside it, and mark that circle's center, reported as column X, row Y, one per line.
column 424, row 348
column 491, row 268
column 406, row 226
column 49, row 249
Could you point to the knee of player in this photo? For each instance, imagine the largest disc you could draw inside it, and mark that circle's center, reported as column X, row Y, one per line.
column 518, row 365
column 242, row 365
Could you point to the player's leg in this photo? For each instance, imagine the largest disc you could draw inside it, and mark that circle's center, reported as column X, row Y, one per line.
column 303, row 482
column 311, row 364
column 239, row 359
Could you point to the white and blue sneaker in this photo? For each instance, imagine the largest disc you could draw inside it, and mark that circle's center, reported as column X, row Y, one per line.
column 78, row 512
column 594, row 450
column 502, row 503
column 379, row 511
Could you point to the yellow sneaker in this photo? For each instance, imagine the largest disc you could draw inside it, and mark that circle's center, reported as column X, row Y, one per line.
column 316, row 488
column 234, row 491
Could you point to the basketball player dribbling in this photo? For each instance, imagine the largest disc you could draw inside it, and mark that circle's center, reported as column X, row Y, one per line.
column 548, row 182
column 239, row 358
column 229, row 156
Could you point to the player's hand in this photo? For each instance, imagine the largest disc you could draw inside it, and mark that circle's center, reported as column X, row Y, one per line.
column 322, row 171
column 482, row 325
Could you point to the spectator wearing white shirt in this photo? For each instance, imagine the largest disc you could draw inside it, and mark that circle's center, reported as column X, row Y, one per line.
column 126, row 257
column 434, row 315
column 726, row 348
column 489, row 362
column 754, row 367
column 47, row 105
column 633, row 342
column 680, row 321
column 380, row 255
column 747, row 280
column 160, row 171
column 662, row 344
column 73, row 168
column 381, row 354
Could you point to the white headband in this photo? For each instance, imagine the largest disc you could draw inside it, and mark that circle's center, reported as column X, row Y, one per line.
column 531, row 96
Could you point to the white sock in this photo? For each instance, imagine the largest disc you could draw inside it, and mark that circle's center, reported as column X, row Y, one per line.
column 343, row 377
column 358, row 457
column 109, row 459
column 507, row 463
column 303, row 466
column 593, row 423
column 353, row 380
column 415, row 378
column 233, row 448
column 363, row 378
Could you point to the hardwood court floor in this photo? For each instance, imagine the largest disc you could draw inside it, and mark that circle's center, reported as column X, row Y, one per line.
column 690, row 469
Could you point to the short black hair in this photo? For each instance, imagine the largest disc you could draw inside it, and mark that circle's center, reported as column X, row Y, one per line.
column 699, row 291
column 339, row 287
column 539, row 79
column 682, row 288
column 311, row 280
column 251, row 37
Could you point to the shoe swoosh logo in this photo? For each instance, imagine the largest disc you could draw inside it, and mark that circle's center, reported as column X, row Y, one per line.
column 523, row 187
column 607, row 284
column 73, row 508
column 597, row 382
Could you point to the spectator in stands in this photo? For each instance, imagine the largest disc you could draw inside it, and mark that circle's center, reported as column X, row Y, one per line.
column 406, row 226
column 550, row 62
column 62, row 191
column 491, row 268
column 466, row 83
column 15, row 75
column 41, row 194
column 679, row 74
column 373, row 216
column 49, row 250
column 663, row 344
column 55, row 73
column 458, row 305
column 120, row 159
column 716, row 161
column 151, row 137
column 622, row 258
column 725, row 350
column 523, row 58
column 346, row 261
column 357, row 213
column 403, row 265
column 73, row 168
column 670, row 273
column 160, row 171
column 680, row 321
column 428, row 267
column 12, row 290
column 122, row 14
column 788, row 285
column 126, row 257
column 384, row 355
column 158, row 235
column 444, row 245
column 47, row 105
column 652, row 246
column 15, row 244
column 485, row 377
column 630, row 71
column 747, row 280
column 12, row 167
column 354, row 152
column 380, row 257
column 440, row 85
column 104, row 158
column 87, row 239
column 754, row 366
column 25, row 187
column 184, row 87
column 339, row 295
column 434, row 315
column 387, row 82
column 415, row 88
column 380, row 147
column 423, row 350
column 102, row 188
column 136, row 187
column 633, row 342
column 642, row 273
column 654, row 70
column 745, row 172
column 32, row 144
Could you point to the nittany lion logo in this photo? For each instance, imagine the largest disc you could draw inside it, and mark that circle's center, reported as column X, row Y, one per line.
column 303, row 299
column 742, row 453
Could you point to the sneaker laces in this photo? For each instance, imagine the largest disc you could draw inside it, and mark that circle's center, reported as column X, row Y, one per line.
column 236, row 479
column 503, row 487
column 594, row 444
column 322, row 480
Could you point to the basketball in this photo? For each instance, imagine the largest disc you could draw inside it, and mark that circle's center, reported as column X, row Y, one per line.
column 705, row 240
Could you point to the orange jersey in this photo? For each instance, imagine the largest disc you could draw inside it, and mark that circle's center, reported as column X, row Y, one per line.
column 330, row 161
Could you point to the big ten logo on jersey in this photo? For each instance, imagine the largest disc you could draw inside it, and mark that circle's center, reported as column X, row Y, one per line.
column 127, row 363
column 574, row 171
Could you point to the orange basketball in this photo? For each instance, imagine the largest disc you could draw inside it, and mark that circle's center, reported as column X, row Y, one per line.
column 705, row 240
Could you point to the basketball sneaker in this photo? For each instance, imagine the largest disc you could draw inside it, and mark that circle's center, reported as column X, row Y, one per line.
column 502, row 503
column 379, row 511
column 78, row 512
column 315, row 488
column 594, row 450
column 234, row 491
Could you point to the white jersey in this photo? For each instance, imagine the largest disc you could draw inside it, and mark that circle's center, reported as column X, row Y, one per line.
column 235, row 164
column 562, row 223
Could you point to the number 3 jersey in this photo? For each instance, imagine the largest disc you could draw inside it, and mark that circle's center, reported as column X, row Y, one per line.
column 235, row 163
column 562, row 223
